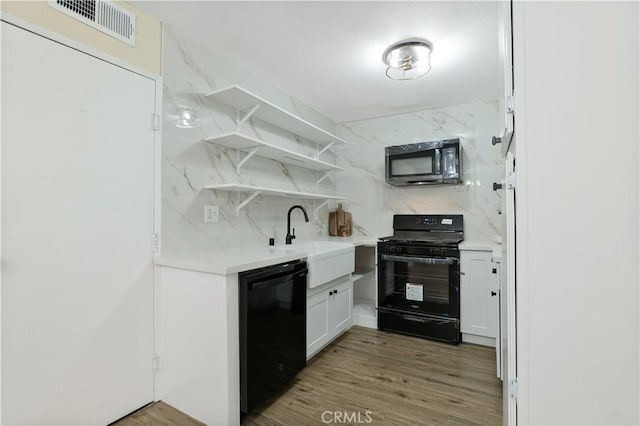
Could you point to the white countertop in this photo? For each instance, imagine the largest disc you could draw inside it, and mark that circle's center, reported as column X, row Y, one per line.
column 355, row 240
column 234, row 260
column 494, row 248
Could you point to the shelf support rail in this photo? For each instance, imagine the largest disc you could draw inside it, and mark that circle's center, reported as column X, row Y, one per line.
column 246, row 158
column 317, row 209
column 246, row 201
column 247, row 116
column 323, row 150
column 325, row 175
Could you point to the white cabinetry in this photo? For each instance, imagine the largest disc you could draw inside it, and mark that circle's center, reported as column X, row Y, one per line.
column 479, row 297
column 197, row 341
column 329, row 313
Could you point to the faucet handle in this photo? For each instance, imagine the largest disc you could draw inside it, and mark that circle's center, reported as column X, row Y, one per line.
column 293, row 233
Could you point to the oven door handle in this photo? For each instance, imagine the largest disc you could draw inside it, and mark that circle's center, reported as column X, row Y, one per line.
column 416, row 319
column 425, row 320
column 425, row 260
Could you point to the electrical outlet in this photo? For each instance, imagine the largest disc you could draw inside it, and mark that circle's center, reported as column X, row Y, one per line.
column 211, row 214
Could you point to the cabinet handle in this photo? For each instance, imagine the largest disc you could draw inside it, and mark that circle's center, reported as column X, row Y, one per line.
column 494, row 271
column 496, row 140
column 493, row 293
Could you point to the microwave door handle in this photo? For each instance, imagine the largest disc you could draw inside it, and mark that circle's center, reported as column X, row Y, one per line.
column 437, row 160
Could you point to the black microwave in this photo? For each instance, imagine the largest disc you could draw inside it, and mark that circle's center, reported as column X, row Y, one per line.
column 424, row 163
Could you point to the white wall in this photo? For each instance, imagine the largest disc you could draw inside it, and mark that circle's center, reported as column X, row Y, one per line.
column 576, row 75
column 373, row 202
column 146, row 54
column 188, row 164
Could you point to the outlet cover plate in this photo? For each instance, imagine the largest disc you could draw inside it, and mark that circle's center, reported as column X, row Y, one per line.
column 211, row 214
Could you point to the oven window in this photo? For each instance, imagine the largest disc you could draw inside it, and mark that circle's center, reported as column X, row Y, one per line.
column 422, row 165
column 417, row 286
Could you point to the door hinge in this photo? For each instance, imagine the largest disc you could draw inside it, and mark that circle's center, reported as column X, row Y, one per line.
column 155, row 122
column 511, row 180
column 155, row 243
column 513, row 388
column 154, row 363
column 509, row 104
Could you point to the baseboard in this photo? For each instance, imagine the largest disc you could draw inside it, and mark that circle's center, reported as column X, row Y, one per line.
column 479, row 340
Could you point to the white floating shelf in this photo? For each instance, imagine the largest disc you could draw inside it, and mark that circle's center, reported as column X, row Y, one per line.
column 361, row 273
column 257, row 190
column 243, row 100
column 364, row 313
column 254, row 146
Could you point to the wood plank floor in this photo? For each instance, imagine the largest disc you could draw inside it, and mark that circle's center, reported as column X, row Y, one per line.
column 158, row 414
column 389, row 378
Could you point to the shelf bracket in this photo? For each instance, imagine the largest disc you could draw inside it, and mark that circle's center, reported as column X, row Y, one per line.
column 246, row 158
column 315, row 211
column 246, row 201
column 246, row 116
column 324, row 176
column 323, row 150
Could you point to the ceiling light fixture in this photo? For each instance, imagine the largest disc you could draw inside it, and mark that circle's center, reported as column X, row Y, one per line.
column 408, row 59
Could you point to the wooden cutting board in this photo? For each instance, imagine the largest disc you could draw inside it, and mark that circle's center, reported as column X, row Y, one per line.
column 340, row 222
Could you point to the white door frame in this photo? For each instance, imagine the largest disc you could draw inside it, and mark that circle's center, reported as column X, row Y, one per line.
column 521, row 218
column 81, row 47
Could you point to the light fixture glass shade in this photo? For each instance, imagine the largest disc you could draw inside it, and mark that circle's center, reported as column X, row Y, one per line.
column 408, row 59
column 188, row 119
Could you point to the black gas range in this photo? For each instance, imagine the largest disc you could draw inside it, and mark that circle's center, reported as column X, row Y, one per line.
column 419, row 277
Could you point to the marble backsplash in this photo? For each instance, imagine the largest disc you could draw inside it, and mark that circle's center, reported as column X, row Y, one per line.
column 189, row 162
column 373, row 202
column 190, row 71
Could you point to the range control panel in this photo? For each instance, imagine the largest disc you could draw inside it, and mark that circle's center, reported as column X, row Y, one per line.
column 411, row 222
column 433, row 220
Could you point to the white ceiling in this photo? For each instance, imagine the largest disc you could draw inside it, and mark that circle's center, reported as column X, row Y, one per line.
column 328, row 54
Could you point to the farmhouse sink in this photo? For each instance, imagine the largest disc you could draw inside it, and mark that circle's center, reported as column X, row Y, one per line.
column 326, row 260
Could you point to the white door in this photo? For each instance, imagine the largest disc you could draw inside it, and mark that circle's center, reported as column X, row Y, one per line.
column 342, row 307
column 77, row 212
column 318, row 322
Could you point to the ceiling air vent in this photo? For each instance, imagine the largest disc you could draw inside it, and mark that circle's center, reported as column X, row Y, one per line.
column 103, row 15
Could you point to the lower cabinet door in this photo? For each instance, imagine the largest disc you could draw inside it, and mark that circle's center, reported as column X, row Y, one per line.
column 342, row 307
column 319, row 326
column 477, row 305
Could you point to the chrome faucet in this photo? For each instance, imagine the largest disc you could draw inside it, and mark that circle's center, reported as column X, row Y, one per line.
column 291, row 236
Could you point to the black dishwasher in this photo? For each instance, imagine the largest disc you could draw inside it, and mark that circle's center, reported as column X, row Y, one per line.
column 273, row 330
